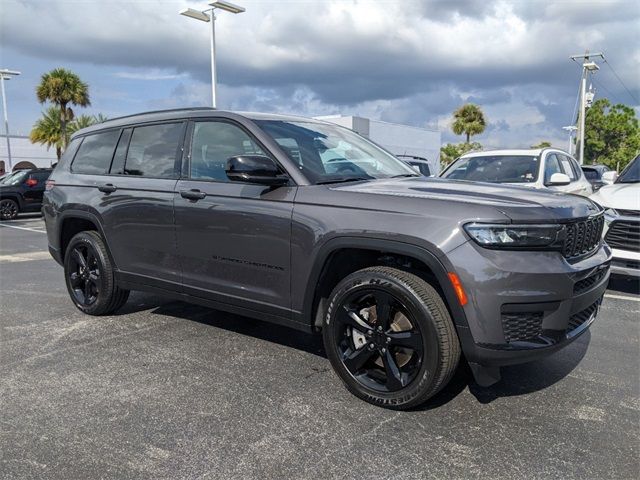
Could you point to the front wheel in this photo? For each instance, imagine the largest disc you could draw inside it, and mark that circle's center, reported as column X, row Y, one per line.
column 90, row 275
column 390, row 338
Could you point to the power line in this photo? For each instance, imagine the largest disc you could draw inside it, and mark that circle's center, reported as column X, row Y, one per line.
column 600, row 85
column 621, row 82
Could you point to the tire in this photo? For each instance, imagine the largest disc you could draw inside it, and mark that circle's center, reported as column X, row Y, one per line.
column 90, row 276
column 9, row 209
column 400, row 358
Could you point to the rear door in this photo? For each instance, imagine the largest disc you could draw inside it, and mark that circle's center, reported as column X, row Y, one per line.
column 34, row 186
column 133, row 173
column 233, row 238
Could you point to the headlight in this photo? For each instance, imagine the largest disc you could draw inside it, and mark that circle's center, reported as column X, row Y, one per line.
column 515, row 236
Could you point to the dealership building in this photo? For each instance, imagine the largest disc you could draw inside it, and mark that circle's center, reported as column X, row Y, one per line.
column 25, row 154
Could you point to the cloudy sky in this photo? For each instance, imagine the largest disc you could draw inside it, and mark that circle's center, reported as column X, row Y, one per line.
column 405, row 61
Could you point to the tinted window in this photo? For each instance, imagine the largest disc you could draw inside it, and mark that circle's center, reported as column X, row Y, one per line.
column 591, row 174
column 213, row 143
column 95, row 153
column 153, row 150
column 117, row 166
column 552, row 166
column 423, row 168
column 41, row 176
column 495, row 169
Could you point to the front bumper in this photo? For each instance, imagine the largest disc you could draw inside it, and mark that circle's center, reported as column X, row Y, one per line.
column 625, row 262
column 525, row 305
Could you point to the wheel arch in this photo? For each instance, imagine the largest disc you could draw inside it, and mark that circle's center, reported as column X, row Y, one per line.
column 74, row 221
column 375, row 252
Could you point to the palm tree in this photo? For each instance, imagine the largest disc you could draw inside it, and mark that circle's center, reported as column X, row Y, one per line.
column 63, row 88
column 468, row 120
column 84, row 121
column 47, row 132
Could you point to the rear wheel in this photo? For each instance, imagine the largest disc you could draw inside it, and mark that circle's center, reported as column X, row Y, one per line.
column 8, row 209
column 390, row 338
column 90, row 276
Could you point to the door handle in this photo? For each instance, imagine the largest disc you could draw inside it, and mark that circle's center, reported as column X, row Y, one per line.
column 192, row 194
column 107, row 188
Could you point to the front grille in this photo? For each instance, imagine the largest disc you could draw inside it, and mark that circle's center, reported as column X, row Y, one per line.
column 628, row 213
column 586, row 283
column 521, row 326
column 582, row 237
column 624, row 234
column 579, row 318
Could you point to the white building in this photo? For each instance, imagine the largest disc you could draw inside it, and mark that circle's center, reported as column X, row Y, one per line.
column 25, row 154
column 398, row 139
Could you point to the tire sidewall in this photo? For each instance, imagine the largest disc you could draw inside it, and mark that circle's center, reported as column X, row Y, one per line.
column 424, row 381
column 105, row 294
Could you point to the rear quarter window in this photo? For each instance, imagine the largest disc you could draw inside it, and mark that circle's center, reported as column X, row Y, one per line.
column 95, row 153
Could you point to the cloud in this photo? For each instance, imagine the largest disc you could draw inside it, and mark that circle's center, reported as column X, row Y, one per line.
column 406, row 61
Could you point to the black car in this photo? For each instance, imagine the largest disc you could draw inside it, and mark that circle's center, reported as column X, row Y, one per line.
column 593, row 173
column 22, row 191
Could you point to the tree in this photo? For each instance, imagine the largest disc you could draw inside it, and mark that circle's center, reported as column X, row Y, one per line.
column 612, row 134
column 451, row 151
column 468, row 120
column 543, row 144
column 63, row 88
column 47, row 130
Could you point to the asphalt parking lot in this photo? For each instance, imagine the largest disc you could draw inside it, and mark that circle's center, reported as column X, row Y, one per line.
column 169, row 390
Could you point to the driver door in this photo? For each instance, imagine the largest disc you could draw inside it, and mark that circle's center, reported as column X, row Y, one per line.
column 233, row 238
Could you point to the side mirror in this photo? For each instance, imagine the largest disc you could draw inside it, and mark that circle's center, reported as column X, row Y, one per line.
column 255, row 169
column 558, row 180
column 609, row 177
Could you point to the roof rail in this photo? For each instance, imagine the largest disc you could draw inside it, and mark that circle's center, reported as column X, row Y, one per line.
column 168, row 110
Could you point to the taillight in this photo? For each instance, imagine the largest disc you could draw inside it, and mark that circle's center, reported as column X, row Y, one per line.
column 32, row 182
column 49, row 184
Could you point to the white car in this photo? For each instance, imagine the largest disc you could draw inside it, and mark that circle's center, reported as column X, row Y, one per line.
column 536, row 168
column 621, row 201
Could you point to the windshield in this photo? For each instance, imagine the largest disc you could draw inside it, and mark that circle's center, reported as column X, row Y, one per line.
column 329, row 153
column 495, row 169
column 15, row 178
column 631, row 174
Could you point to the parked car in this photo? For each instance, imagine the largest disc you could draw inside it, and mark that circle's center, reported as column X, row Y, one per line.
column 621, row 201
column 22, row 191
column 419, row 164
column 593, row 173
column 401, row 273
column 545, row 168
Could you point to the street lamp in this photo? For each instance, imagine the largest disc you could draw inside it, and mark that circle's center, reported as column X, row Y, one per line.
column 6, row 75
column 208, row 15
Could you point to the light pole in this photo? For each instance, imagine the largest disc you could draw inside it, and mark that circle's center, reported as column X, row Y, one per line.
column 208, row 15
column 6, row 75
column 570, row 129
column 588, row 67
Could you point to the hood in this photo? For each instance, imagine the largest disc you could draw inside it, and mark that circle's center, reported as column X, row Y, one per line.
column 517, row 203
column 625, row 196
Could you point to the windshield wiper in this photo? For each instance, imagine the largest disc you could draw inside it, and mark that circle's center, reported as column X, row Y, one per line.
column 342, row 180
column 406, row 175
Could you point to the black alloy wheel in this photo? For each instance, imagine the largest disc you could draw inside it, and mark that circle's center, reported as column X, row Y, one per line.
column 377, row 340
column 8, row 209
column 84, row 274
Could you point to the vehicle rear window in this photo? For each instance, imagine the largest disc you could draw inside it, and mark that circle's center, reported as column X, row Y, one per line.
column 153, row 150
column 591, row 173
column 95, row 153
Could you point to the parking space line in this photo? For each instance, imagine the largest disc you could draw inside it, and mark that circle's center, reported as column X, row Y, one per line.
column 24, row 257
column 22, row 228
column 622, row 297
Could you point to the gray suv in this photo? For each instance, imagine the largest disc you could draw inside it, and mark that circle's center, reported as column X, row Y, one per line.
column 306, row 224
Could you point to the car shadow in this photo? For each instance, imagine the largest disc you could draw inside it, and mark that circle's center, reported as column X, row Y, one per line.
column 516, row 379
column 624, row 284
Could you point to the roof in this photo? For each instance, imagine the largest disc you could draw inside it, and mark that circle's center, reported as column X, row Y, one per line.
column 516, row 151
column 188, row 112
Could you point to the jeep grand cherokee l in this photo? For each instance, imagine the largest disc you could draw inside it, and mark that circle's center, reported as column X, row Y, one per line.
column 245, row 212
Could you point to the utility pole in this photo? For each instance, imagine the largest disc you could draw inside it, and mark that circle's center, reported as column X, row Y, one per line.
column 588, row 67
column 6, row 75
